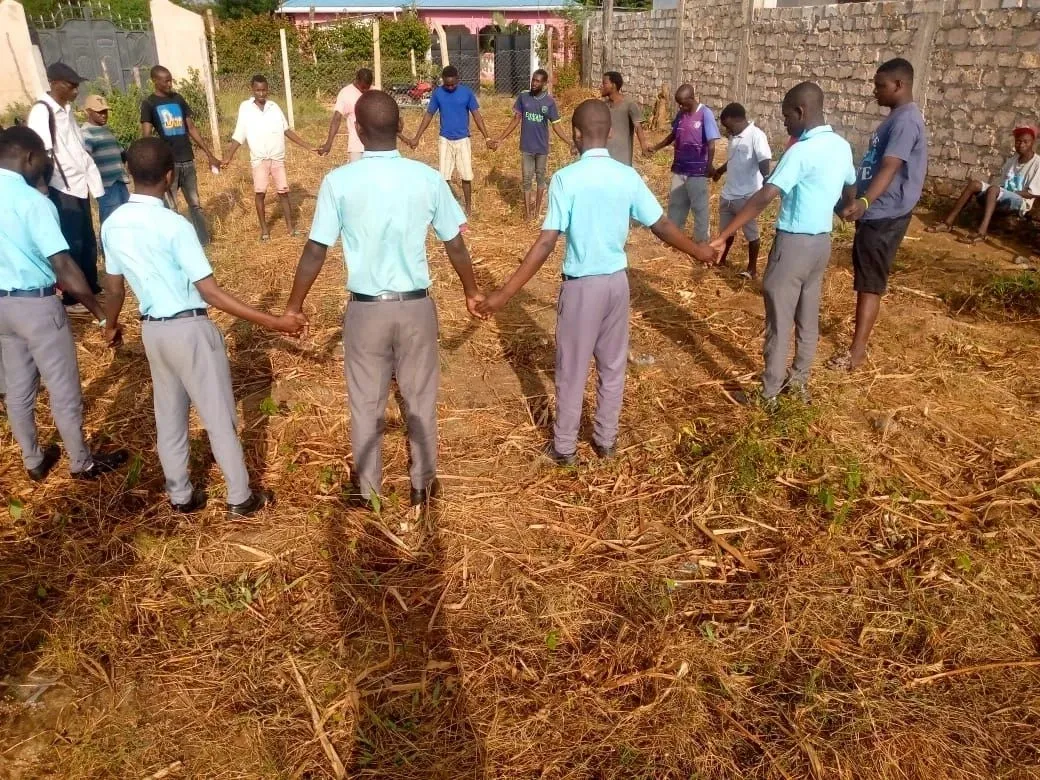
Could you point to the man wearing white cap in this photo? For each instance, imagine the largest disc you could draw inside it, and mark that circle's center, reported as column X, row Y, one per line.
column 75, row 177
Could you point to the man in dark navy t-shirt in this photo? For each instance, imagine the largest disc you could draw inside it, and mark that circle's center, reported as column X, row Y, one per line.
column 534, row 111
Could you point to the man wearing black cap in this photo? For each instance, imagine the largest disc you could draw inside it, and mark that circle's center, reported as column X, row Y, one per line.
column 75, row 176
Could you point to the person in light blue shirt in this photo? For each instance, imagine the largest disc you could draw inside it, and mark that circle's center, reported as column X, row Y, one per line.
column 35, row 338
column 592, row 201
column 382, row 206
column 812, row 177
column 455, row 102
column 158, row 252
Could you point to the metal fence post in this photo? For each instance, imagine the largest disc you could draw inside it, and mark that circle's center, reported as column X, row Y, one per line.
column 285, row 77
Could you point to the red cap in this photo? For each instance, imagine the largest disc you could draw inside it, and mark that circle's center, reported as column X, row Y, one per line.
column 1024, row 129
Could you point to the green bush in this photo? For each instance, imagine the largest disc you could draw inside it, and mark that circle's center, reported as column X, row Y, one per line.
column 113, row 9
column 251, row 45
column 243, row 9
column 345, row 41
column 568, row 76
column 407, row 33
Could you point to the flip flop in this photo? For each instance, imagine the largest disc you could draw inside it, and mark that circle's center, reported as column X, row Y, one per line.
column 265, row 237
column 842, row 361
column 942, row 227
column 973, row 240
column 746, row 275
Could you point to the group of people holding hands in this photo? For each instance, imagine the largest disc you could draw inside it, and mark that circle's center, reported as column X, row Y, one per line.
column 381, row 206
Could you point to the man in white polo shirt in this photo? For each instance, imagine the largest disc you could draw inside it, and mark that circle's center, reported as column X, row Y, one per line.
column 262, row 125
column 344, row 110
column 747, row 166
column 75, row 176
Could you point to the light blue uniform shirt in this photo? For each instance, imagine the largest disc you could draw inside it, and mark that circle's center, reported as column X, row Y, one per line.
column 156, row 249
column 592, row 200
column 29, row 234
column 382, row 205
column 811, row 175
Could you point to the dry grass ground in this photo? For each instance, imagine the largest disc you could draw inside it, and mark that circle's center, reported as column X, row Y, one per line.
column 847, row 590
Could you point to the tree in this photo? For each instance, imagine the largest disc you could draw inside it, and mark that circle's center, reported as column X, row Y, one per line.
column 239, row 9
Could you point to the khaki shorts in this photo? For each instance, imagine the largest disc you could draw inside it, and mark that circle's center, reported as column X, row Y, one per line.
column 264, row 171
column 728, row 209
column 456, row 155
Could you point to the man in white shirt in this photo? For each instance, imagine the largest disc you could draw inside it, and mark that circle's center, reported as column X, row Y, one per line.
column 747, row 166
column 75, row 176
column 261, row 124
column 345, row 102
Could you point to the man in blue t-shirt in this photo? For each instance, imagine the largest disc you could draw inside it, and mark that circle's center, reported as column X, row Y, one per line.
column 534, row 111
column 455, row 102
column 889, row 184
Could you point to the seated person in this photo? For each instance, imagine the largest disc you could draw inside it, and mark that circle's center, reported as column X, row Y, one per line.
column 1018, row 186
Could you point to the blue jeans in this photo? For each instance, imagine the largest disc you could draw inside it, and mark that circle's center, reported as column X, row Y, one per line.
column 114, row 197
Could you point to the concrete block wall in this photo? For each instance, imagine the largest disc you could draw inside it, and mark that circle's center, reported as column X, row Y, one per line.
column 644, row 43
column 977, row 64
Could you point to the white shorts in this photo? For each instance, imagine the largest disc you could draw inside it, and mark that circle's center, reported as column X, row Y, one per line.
column 456, row 155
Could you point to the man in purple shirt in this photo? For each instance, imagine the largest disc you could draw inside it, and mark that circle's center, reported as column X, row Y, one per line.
column 694, row 133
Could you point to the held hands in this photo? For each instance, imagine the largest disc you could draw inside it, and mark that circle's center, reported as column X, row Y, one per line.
column 324, row 150
column 706, row 253
column 491, row 304
column 291, row 323
column 474, row 303
column 215, row 162
column 854, row 210
column 718, row 246
column 492, row 144
column 114, row 336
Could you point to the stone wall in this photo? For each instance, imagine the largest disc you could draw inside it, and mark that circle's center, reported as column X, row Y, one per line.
column 977, row 64
column 644, row 56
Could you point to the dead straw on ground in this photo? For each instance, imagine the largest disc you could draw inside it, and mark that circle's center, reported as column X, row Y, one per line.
column 846, row 590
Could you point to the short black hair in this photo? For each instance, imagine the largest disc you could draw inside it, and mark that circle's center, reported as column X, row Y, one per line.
column 807, row 95
column 615, row 78
column 592, row 118
column 541, row 72
column 733, row 111
column 156, row 70
column 898, row 67
column 259, row 78
column 19, row 139
column 450, row 72
column 378, row 115
column 149, row 160
column 364, row 76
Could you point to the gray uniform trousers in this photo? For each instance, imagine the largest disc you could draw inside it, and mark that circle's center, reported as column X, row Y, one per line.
column 382, row 340
column 189, row 365
column 591, row 322
column 791, row 287
column 690, row 193
column 36, row 342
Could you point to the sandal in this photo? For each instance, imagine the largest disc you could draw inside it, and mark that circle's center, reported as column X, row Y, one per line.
column 973, row 239
column 842, row 361
column 265, row 237
column 940, row 227
column 747, row 275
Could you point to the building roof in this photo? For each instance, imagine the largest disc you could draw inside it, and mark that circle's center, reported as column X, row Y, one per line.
column 390, row 6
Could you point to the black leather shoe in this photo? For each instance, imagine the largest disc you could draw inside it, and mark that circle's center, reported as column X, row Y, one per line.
column 420, row 496
column 257, row 501
column 561, row 460
column 103, row 463
column 196, row 503
column 51, row 456
column 604, row 452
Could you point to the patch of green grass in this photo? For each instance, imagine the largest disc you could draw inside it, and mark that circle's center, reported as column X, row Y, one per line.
column 231, row 596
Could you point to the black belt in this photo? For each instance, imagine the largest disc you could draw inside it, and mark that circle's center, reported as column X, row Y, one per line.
column 39, row 292
column 181, row 315
column 414, row 295
column 567, row 278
